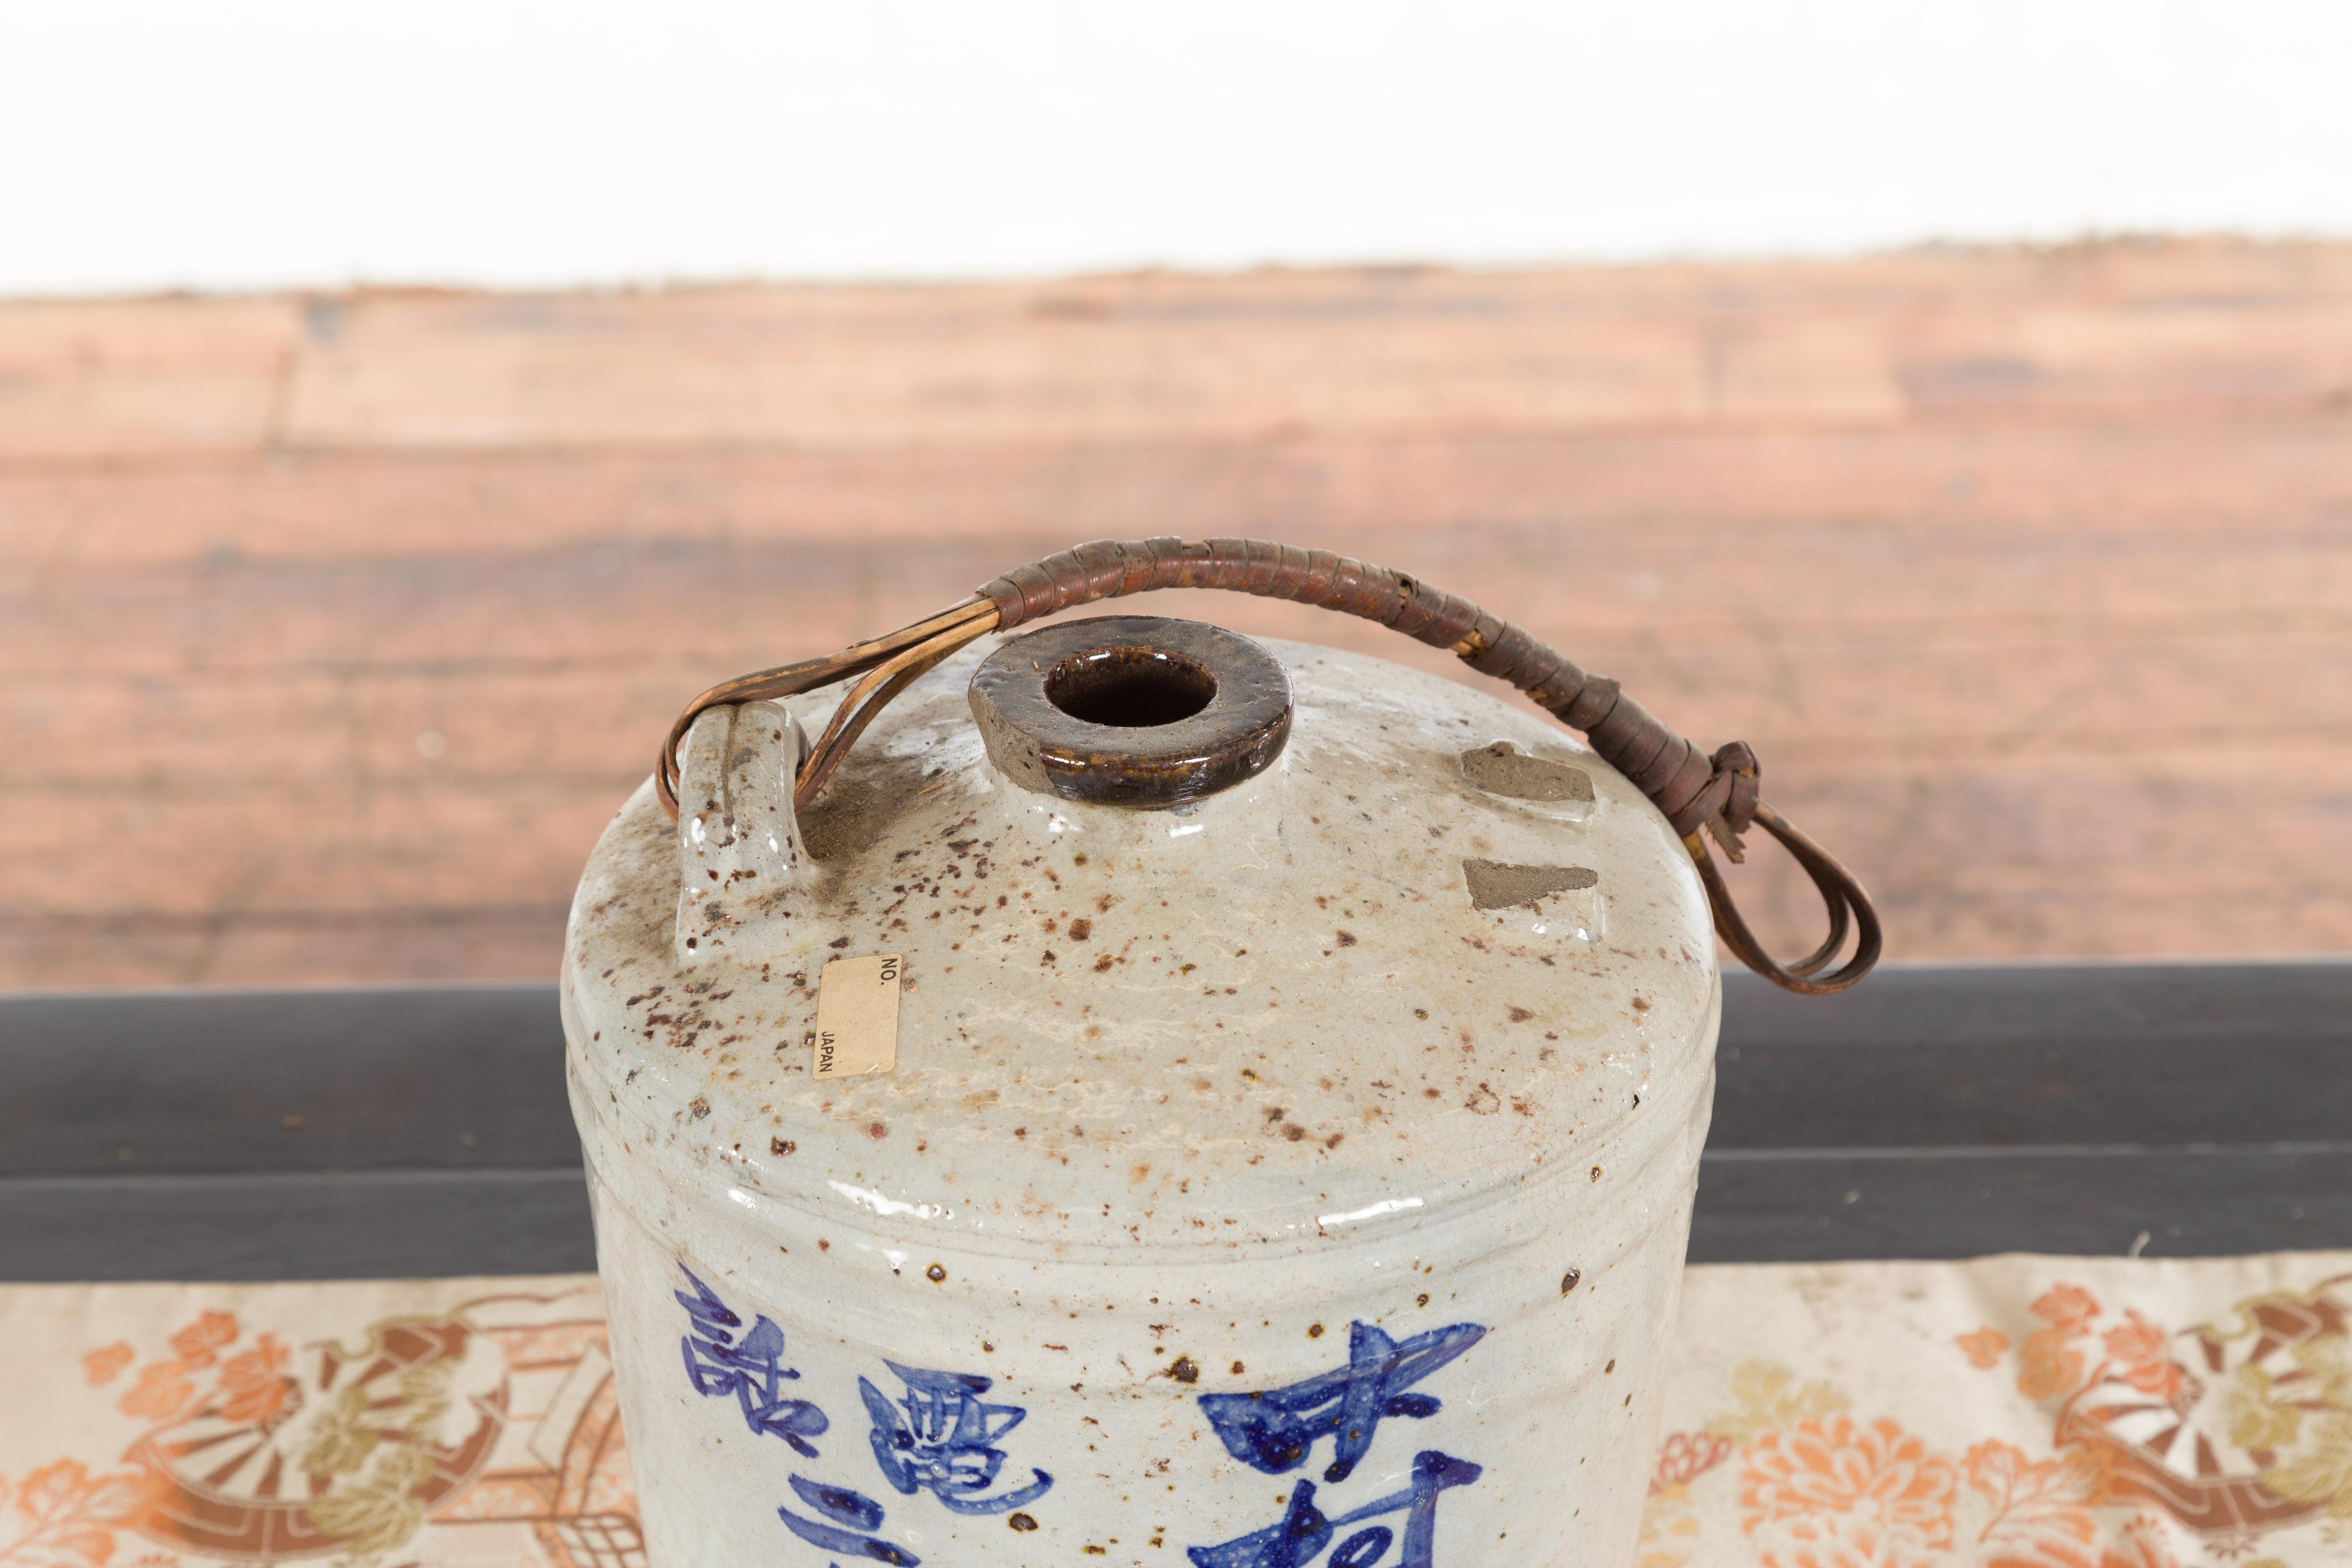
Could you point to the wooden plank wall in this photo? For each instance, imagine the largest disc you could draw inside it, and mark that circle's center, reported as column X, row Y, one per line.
column 334, row 628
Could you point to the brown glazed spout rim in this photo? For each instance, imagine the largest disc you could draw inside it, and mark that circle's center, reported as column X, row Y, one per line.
column 1141, row 712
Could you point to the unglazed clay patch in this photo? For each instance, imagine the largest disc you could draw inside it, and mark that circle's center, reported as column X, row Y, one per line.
column 1496, row 886
column 1502, row 769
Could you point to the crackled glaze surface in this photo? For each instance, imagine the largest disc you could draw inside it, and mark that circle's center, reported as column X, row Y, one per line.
column 1217, row 1101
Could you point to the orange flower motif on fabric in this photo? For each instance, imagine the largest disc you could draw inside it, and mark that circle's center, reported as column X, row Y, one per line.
column 67, row 1517
column 2029, row 1513
column 2143, row 1349
column 1839, row 1494
column 197, row 1344
column 162, row 1392
column 2048, row 1365
column 253, row 1387
column 2068, row 1308
column 102, row 1365
column 2141, row 1547
column 1684, row 1457
column 1983, row 1348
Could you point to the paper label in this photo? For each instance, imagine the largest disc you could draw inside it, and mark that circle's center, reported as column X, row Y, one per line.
column 857, row 1017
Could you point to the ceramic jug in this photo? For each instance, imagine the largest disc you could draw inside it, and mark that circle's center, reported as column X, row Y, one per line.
column 1162, row 1099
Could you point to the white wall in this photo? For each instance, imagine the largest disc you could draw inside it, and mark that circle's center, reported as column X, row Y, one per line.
column 260, row 143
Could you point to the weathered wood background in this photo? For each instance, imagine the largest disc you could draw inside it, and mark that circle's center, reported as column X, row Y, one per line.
column 334, row 628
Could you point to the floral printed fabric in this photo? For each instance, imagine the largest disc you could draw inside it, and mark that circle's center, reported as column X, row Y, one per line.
column 2009, row 1413
column 428, row 1423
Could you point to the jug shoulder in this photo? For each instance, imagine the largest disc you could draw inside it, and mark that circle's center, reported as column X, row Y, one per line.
column 1435, row 951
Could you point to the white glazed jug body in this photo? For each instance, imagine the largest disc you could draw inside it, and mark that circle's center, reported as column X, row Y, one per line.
column 1297, row 1177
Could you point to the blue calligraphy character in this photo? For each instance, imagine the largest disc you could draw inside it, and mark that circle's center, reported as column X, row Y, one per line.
column 940, row 1437
column 1275, row 1430
column 853, row 1516
column 1304, row 1531
column 1432, row 1473
column 1299, row 1539
column 751, row 1370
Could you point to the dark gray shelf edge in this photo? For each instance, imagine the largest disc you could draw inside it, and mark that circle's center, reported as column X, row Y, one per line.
column 2204, row 1106
column 325, row 1224
column 1955, row 1055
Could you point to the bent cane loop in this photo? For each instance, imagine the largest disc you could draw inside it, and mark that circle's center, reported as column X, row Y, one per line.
column 1718, row 796
column 791, row 680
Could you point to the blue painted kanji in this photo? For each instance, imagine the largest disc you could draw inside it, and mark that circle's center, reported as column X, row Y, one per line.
column 751, row 1369
column 940, row 1436
column 1276, row 1429
column 1306, row 1530
column 854, row 1518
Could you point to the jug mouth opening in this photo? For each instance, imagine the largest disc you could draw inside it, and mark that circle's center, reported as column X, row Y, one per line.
column 1141, row 712
column 1130, row 688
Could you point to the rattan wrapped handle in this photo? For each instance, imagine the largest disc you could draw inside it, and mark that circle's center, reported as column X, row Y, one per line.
column 1699, row 793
